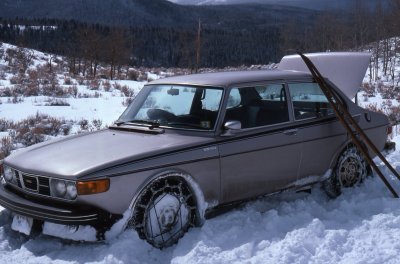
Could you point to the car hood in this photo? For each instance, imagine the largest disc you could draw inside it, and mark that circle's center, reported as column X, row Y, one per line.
column 90, row 152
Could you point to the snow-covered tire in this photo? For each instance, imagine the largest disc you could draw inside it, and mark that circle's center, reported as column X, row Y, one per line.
column 164, row 211
column 350, row 170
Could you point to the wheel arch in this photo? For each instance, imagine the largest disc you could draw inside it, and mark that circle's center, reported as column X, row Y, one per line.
column 201, row 204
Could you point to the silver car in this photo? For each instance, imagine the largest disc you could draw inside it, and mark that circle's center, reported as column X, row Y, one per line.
column 190, row 145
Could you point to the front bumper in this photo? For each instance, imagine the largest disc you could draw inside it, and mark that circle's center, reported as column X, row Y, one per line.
column 24, row 204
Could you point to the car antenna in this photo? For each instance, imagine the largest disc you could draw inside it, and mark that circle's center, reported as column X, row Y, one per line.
column 351, row 126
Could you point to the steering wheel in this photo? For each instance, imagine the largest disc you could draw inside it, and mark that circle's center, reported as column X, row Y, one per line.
column 160, row 114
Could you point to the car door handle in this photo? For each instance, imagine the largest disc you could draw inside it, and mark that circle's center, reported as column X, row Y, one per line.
column 290, row 132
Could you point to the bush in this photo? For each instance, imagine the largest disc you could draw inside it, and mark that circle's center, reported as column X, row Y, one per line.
column 127, row 91
column 6, row 146
column 67, row 81
column 387, row 92
column 94, row 84
column 117, row 86
column 34, row 129
column 84, row 124
column 133, row 75
column 97, row 124
column 127, row 101
column 57, row 102
column 73, row 90
column 106, row 86
column 369, row 89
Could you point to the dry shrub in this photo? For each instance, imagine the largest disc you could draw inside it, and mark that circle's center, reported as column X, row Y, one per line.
column 97, row 124
column 3, row 75
column 6, row 92
column 117, row 86
column 373, row 107
column 80, row 80
column 133, row 75
column 34, row 129
column 94, row 84
column 57, row 102
column 5, row 125
column 106, row 85
column 127, row 91
column 142, row 77
column 127, row 101
column 387, row 92
column 84, row 124
column 393, row 114
column 369, row 89
column 73, row 90
column 67, row 80
column 15, row 80
column 6, row 146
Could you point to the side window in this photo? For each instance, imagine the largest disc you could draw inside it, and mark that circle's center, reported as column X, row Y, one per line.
column 309, row 101
column 211, row 99
column 234, row 98
column 258, row 106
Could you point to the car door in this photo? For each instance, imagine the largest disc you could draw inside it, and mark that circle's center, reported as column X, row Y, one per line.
column 320, row 130
column 264, row 156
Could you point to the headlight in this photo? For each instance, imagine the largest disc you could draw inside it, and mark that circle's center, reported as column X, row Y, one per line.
column 8, row 173
column 63, row 189
column 71, row 190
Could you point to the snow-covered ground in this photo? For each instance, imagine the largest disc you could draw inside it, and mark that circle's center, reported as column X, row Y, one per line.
column 361, row 226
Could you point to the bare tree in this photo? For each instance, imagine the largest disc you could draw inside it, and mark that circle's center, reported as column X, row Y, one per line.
column 198, row 46
column 117, row 50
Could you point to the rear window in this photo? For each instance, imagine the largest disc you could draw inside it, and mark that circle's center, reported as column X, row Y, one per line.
column 309, row 101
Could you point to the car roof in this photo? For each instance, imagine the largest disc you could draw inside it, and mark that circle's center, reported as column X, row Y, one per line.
column 224, row 79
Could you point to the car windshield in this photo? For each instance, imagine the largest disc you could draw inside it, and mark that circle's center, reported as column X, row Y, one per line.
column 176, row 106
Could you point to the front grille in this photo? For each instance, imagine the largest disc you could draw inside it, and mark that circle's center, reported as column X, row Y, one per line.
column 18, row 180
column 30, row 182
column 44, row 185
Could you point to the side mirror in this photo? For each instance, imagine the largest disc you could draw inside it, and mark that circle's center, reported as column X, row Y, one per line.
column 232, row 127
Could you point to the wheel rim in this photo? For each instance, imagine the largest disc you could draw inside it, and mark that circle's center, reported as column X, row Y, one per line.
column 166, row 219
column 350, row 171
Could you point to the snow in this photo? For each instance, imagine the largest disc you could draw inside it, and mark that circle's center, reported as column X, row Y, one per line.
column 76, row 233
column 22, row 224
column 107, row 109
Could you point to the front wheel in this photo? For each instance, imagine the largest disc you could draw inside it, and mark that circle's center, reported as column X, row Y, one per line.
column 350, row 170
column 165, row 210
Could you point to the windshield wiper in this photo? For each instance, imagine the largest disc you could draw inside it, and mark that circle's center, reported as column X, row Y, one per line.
column 153, row 124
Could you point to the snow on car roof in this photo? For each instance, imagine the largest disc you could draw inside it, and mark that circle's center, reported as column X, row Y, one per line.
column 223, row 79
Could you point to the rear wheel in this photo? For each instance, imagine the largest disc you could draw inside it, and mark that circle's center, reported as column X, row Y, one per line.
column 165, row 210
column 350, row 170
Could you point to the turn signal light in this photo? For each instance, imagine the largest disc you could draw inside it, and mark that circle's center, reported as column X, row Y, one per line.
column 92, row 187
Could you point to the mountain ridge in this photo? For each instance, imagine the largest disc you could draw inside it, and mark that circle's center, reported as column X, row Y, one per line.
column 151, row 13
column 309, row 4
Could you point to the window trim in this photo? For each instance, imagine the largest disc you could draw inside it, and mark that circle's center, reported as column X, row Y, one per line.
column 219, row 113
column 309, row 118
column 249, row 85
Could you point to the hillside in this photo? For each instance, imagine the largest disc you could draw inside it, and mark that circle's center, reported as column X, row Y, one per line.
column 154, row 12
